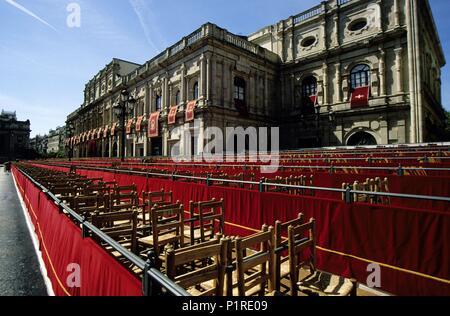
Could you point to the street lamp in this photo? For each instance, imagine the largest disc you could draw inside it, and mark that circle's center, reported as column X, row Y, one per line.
column 317, row 110
column 70, row 129
column 122, row 110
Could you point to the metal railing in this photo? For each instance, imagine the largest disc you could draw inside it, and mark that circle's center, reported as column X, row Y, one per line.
column 317, row 10
column 400, row 170
column 153, row 281
column 262, row 186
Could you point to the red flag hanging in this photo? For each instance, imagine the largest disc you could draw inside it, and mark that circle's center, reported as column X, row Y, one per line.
column 190, row 111
column 172, row 115
column 139, row 123
column 105, row 131
column 153, row 128
column 313, row 99
column 360, row 97
column 113, row 129
column 129, row 124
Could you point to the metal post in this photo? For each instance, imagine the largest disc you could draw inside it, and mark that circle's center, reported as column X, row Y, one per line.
column 348, row 195
column 261, row 186
column 84, row 231
column 122, row 136
column 400, row 171
column 208, row 181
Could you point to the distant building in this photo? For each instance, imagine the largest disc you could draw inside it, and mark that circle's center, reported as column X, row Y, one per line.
column 14, row 137
column 39, row 144
column 55, row 141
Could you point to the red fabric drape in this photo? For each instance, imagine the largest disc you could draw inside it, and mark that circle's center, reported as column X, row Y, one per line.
column 61, row 244
column 408, row 243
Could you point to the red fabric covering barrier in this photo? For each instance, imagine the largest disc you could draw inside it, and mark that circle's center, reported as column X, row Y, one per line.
column 61, row 244
column 407, row 243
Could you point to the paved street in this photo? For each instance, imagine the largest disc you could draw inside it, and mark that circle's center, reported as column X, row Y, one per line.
column 19, row 268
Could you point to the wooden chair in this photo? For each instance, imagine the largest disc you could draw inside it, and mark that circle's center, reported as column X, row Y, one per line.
column 209, row 278
column 276, row 180
column 281, row 262
column 254, row 270
column 86, row 205
column 125, row 234
column 206, row 219
column 150, row 199
column 125, row 189
column 167, row 229
column 302, row 238
column 123, row 201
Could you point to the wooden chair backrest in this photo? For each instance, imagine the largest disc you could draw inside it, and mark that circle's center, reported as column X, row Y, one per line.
column 260, row 259
column 301, row 237
column 211, row 213
column 213, row 270
column 123, row 201
column 87, row 204
column 167, row 220
column 125, row 189
column 103, row 222
column 281, row 245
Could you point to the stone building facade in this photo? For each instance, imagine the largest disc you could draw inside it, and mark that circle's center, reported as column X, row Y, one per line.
column 55, row 141
column 14, row 137
column 346, row 72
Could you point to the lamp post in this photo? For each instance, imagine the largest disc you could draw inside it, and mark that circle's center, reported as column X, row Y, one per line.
column 122, row 109
column 318, row 137
column 70, row 129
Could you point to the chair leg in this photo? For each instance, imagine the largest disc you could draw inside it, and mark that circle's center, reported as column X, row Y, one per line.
column 354, row 290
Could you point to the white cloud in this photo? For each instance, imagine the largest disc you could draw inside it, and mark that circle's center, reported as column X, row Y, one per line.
column 28, row 12
column 146, row 18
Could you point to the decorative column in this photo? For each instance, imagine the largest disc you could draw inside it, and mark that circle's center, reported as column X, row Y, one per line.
column 398, row 69
column 202, row 83
column 292, row 82
column 252, row 106
column 382, row 66
column 266, row 94
column 208, row 79
column 396, row 14
column 183, row 87
column 325, row 83
column 165, row 93
column 336, row 29
column 150, row 98
column 338, row 82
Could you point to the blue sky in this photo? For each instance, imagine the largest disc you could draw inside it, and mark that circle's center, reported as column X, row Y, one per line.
column 45, row 65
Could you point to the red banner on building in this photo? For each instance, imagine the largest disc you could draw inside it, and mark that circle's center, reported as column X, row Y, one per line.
column 360, row 97
column 139, row 123
column 172, row 115
column 105, row 131
column 129, row 125
column 113, row 129
column 190, row 111
column 313, row 99
column 153, row 126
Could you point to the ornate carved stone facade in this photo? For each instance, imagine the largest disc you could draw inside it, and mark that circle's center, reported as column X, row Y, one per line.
column 300, row 74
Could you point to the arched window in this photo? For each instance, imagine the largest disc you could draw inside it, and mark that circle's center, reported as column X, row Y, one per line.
column 195, row 91
column 360, row 76
column 309, row 87
column 177, row 97
column 239, row 89
column 158, row 103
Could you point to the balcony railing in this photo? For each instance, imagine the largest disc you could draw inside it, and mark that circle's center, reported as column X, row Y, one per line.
column 317, row 10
